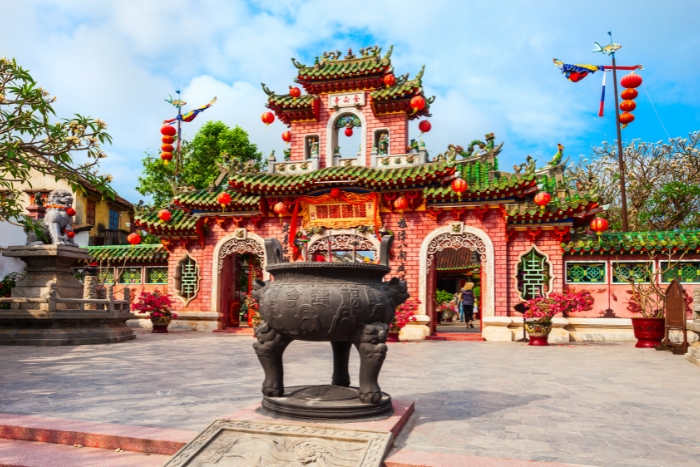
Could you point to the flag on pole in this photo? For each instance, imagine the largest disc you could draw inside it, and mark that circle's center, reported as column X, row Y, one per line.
column 602, row 97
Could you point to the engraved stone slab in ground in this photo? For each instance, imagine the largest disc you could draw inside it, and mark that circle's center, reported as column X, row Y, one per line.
column 240, row 443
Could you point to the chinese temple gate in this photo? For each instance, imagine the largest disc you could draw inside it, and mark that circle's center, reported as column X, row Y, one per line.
column 327, row 206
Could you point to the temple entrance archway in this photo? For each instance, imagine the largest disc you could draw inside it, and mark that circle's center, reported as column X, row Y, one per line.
column 240, row 249
column 332, row 135
column 456, row 235
column 343, row 240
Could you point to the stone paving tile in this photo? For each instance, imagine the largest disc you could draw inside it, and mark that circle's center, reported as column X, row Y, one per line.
column 602, row 405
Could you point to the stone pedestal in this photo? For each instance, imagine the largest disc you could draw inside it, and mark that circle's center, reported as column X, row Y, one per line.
column 39, row 313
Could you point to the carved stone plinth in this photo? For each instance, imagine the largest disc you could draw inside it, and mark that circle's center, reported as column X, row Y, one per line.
column 48, row 306
column 244, row 443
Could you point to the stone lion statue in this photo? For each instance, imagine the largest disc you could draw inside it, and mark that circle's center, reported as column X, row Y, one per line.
column 56, row 223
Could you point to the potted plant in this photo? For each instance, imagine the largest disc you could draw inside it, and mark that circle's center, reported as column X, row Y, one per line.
column 442, row 296
column 448, row 310
column 648, row 298
column 540, row 311
column 157, row 306
column 405, row 313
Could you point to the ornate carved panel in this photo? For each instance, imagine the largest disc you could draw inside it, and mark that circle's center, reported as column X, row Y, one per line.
column 460, row 240
column 343, row 242
column 187, row 278
column 241, row 245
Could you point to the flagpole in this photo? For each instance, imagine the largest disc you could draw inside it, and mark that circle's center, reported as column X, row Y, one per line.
column 621, row 161
column 179, row 135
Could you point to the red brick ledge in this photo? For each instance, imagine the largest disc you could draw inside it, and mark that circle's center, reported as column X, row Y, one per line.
column 92, row 434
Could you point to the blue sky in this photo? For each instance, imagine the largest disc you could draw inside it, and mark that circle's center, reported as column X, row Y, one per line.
column 489, row 63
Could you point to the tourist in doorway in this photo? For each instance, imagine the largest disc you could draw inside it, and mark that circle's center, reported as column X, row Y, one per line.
column 458, row 304
column 467, row 303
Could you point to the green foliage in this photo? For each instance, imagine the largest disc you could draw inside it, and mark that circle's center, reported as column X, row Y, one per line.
column 6, row 286
column 30, row 142
column 443, row 296
column 477, row 292
column 215, row 145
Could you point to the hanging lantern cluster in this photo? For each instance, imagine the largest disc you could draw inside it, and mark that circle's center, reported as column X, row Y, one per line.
column 629, row 82
column 542, row 199
column 133, row 239
column 280, row 209
column 287, row 136
column 424, row 126
column 168, row 139
column 348, row 131
column 335, row 193
column 417, row 103
column 295, row 92
column 599, row 225
column 267, row 118
column 459, row 186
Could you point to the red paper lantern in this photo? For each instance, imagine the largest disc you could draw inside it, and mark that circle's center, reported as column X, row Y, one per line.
column 542, row 199
column 629, row 94
column 335, row 193
column 400, row 203
column 280, row 208
column 167, row 148
column 223, row 199
column 268, row 117
column 133, row 238
column 626, row 118
column 459, row 186
column 348, row 131
column 599, row 225
column 166, row 156
column 627, row 106
column 168, row 139
column 389, row 80
column 417, row 103
column 633, row 80
column 424, row 126
column 294, row 91
column 165, row 215
column 70, row 233
column 287, row 136
column 168, row 130
column 70, row 212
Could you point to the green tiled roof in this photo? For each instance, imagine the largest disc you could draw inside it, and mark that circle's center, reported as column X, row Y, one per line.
column 181, row 222
column 325, row 69
column 207, row 200
column 154, row 253
column 365, row 177
column 501, row 185
column 288, row 102
column 634, row 242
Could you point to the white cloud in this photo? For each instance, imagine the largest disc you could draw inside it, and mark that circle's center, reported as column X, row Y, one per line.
column 488, row 63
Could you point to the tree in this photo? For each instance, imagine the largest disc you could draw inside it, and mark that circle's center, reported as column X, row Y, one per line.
column 663, row 182
column 29, row 141
column 214, row 146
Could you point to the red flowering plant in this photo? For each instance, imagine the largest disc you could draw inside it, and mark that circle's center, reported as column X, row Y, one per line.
column 448, row 309
column 543, row 309
column 155, row 304
column 405, row 313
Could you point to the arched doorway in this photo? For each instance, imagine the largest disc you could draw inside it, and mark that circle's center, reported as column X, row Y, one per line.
column 457, row 235
column 238, row 259
column 344, row 245
column 332, row 130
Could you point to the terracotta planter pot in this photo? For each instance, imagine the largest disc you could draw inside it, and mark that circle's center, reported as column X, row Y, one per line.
column 160, row 324
column 392, row 337
column 648, row 331
column 538, row 331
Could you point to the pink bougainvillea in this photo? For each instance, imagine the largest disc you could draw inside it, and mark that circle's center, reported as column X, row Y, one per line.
column 154, row 303
column 405, row 313
column 544, row 308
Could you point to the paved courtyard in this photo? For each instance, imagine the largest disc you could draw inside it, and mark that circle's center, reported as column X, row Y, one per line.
column 602, row 405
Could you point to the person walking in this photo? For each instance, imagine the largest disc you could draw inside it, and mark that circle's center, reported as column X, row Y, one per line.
column 467, row 301
column 458, row 304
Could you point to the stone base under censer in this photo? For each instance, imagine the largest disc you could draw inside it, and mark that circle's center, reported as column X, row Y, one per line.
column 325, row 403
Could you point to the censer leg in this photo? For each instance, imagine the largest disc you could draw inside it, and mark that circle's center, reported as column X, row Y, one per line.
column 370, row 342
column 270, row 347
column 341, row 356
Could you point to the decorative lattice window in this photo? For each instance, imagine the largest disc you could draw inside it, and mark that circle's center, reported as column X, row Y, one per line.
column 684, row 271
column 156, row 275
column 106, row 276
column 534, row 275
column 585, row 273
column 79, row 273
column 130, row 276
column 623, row 273
column 187, row 278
